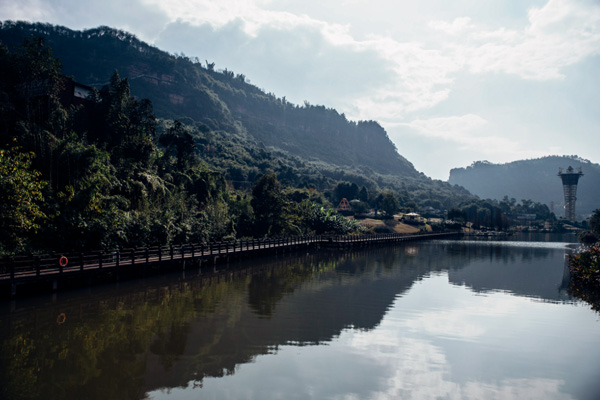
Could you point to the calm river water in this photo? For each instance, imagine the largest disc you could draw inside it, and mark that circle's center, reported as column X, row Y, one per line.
column 423, row 320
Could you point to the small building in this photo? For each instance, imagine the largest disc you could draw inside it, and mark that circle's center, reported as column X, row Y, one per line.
column 412, row 218
column 75, row 93
column 344, row 205
column 68, row 92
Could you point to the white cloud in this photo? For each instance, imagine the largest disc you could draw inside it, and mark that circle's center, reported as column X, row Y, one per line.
column 513, row 389
column 460, row 129
column 465, row 321
column 216, row 13
column 421, row 78
column 459, row 25
column 422, row 371
column 26, row 10
column 419, row 365
column 448, row 141
column 555, row 12
column 559, row 34
column 414, row 77
column 305, row 62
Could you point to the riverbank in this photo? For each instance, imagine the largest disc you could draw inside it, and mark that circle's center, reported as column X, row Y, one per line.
column 585, row 275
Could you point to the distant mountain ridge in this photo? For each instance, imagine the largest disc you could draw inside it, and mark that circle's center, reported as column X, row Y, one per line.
column 535, row 179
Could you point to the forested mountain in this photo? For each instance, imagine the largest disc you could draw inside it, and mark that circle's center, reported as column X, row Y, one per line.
column 108, row 142
column 317, row 145
column 85, row 169
column 532, row 179
column 219, row 100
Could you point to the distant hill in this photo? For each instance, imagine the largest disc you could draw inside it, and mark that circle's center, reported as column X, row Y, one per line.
column 300, row 140
column 532, row 179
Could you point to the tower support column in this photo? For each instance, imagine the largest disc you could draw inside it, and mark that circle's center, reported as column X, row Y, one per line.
column 570, row 178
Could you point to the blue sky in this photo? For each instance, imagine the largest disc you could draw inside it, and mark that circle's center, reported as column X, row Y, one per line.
column 451, row 82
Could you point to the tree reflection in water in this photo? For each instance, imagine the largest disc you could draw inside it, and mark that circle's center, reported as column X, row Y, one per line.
column 168, row 332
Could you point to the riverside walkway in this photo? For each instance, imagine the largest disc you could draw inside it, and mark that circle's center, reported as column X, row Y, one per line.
column 28, row 270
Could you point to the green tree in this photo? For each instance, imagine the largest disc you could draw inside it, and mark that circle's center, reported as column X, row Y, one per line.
column 363, row 195
column 595, row 222
column 410, row 206
column 268, row 205
column 457, row 215
column 38, row 69
column 346, row 190
column 126, row 126
column 323, row 220
column 179, row 144
column 359, row 207
column 20, row 198
column 389, row 204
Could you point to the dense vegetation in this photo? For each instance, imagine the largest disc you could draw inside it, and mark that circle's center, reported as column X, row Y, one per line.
column 107, row 173
column 585, row 265
column 531, row 179
column 494, row 214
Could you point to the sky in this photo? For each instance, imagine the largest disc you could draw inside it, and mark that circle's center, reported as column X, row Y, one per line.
column 452, row 82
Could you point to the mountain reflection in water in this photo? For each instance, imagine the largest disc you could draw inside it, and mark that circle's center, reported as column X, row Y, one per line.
column 470, row 317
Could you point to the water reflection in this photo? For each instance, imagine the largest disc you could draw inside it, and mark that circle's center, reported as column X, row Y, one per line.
column 530, row 271
column 421, row 320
